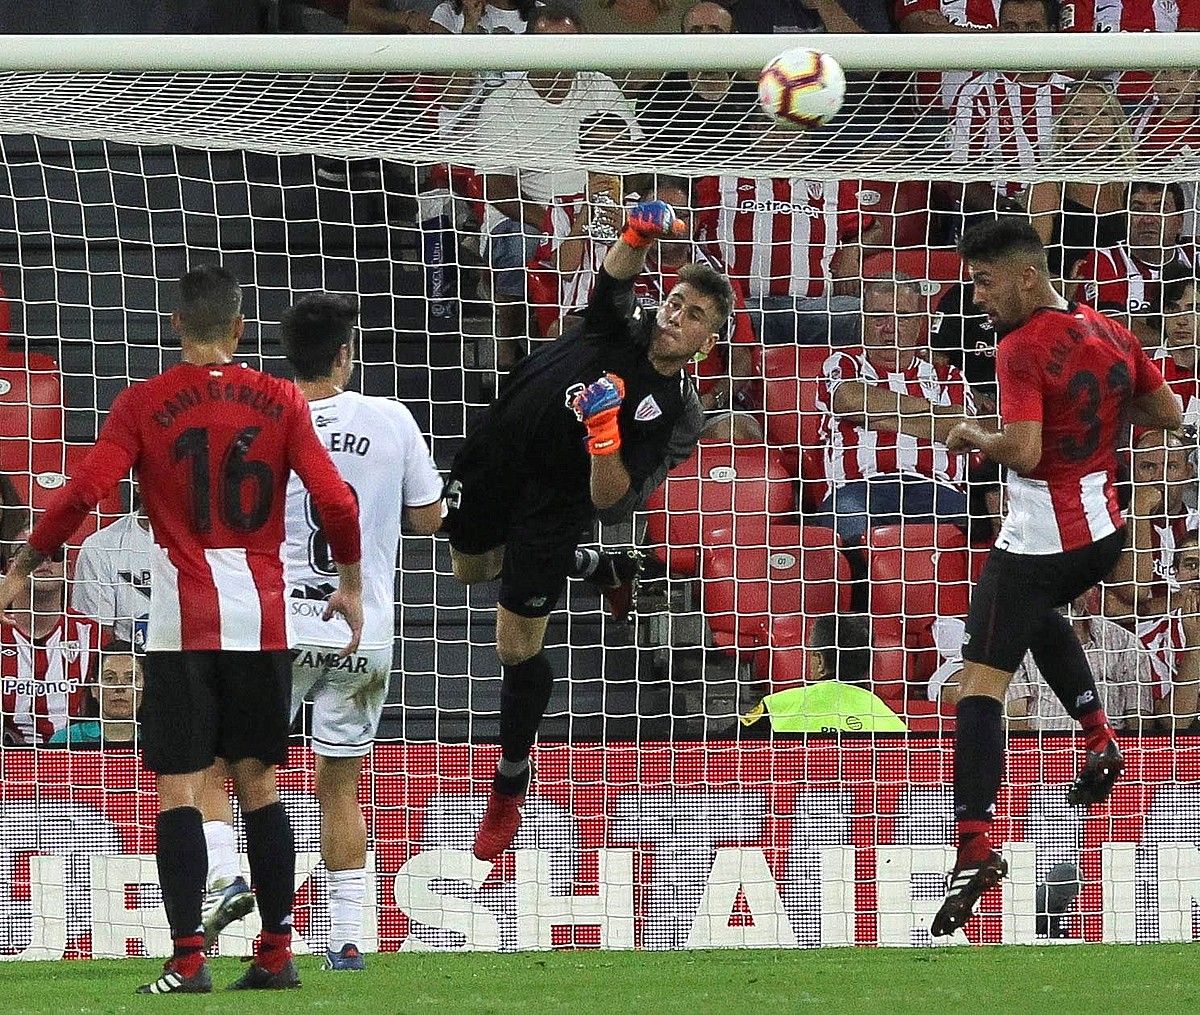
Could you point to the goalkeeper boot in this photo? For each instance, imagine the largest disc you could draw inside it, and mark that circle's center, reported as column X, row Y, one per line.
column 181, row 976
column 1095, row 780
column 223, row 905
column 965, row 886
column 271, row 968
column 503, row 815
column 616, row 576
column 349, row 959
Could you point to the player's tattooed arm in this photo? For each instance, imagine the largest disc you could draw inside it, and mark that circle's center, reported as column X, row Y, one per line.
column 26, row 559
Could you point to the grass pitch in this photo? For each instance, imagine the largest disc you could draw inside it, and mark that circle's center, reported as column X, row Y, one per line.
column 1162, row 979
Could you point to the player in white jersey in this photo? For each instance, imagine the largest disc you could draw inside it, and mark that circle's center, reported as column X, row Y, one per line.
column 380, row 452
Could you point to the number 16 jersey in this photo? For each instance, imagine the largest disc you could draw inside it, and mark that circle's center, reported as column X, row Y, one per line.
column 1075, row 371
column 379, row 451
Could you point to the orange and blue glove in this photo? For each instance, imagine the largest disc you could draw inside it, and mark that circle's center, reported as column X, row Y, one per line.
column 650, row 221
column 597, row 406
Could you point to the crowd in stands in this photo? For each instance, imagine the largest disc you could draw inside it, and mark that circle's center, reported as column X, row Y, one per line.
column 854, row 348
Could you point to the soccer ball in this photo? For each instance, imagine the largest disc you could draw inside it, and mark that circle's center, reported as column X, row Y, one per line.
column 802, row 88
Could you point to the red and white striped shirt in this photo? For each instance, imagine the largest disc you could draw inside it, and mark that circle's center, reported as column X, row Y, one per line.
column 1115, row 280
column 964, row 13
column 214, row 447
column 1129, row 16
column 1000, row 120
column 778, row 236
column 1165, row 144
column 45, row 681
column 855, row 452
column 1165, row 641
column 1165, row 536
column 1185, row 383
column 1074, row 371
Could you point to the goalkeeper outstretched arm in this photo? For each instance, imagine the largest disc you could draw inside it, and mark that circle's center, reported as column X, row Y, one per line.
column 648, row 221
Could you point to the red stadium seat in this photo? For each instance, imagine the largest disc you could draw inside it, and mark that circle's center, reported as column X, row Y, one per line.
column 939, row 267
column 747, row 588
column 31, row 400
column 718, row 483
column 791, row 375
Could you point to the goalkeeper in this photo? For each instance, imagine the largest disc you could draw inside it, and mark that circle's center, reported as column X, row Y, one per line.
column 582, row 429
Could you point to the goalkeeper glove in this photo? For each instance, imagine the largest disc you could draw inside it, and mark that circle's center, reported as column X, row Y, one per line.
column 650, row 221
column 597, row 406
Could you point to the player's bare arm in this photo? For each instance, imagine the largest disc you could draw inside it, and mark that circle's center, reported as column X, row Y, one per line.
column 425, row 519
column 23, row 564
column 882, row 409
column 649, row 221
column 1017, row 446
column 1159, row 410
column 346, row 602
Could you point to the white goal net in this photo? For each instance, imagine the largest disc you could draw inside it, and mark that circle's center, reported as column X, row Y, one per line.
column 470, row 214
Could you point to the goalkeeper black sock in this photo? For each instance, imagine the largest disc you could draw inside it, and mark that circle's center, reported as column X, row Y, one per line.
column 586, row 562
column 1064, row 666
column 524, row 695
column 978, row 767
column 182, row 864
column 272, row 852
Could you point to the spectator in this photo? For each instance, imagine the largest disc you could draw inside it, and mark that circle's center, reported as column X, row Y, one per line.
column 1005, row 118
column 112, row 576
column 923, row 16
column 1167, row 131
column 469, row 17
column 389, row 17
column 765, row 17
column 47, row 655
column 1073, row 218
column 642, row 16
column 1126, row 279
column 1117, row 659
column 717, row 106
column 1181, row 337
column 817, row 230
column 1173, row 641
column 120, row 694
column 887, row 413
column 1128, row 16
column 839, row 696
column 1162, row 475
column 962, row 335
column 544, row 110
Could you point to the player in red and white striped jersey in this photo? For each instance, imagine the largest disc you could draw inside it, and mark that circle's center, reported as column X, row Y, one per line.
column 883, row 468
column 1126, row 280
column 1173, row 641
column 1068, row 379
column 214, row 445
column 49, row 657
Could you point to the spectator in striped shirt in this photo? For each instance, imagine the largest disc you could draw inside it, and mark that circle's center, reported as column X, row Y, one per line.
column 1181, row 338
column 1166, row 128
column 48, row 654
column 1173, row 641
column 1126, row 279
column 887, row 412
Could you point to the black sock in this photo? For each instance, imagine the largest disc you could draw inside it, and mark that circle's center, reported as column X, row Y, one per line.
column 272, row 852
column 1064, row 665
column 978, row 758
column 586, row 562
column 524, row 695
column 182, row 866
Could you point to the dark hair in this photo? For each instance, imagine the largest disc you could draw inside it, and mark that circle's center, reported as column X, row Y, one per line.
column 691, row 7
column 843, row 640
column 314, row 328
column 209, row 301
column 117, row 647
column 1157, row 187
column 1007, row 236
column 710, row 282
column 1049, row 9
column 524, row 8
column 1176, row 281
column 553, row 11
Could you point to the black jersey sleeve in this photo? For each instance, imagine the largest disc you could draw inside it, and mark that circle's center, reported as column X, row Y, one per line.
column 612, row 314
column 680, row 444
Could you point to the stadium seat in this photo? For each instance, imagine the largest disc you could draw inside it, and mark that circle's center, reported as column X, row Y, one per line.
column 31, row 400
column 790, row 378
column 747, row 589
column 940, row 268
column 718, row 483
column 917, row 573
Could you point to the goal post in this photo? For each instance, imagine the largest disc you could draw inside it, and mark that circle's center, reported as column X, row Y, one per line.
column 663, row 815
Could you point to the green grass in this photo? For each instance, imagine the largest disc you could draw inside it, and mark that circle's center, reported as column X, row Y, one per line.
column 1096, row 979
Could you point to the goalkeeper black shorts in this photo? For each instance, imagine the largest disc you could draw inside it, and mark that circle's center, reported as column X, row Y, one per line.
column 1016, row 591
column 200, row 706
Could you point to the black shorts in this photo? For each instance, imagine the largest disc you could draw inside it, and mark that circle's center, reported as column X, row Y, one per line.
column 200, row 706
column 1017, row 590
column 539, row 530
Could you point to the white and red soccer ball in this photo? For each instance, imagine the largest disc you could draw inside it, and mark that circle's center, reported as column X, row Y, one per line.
column 802, row 88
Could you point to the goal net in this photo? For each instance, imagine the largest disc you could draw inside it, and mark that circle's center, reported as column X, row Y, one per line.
column 672, row 808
